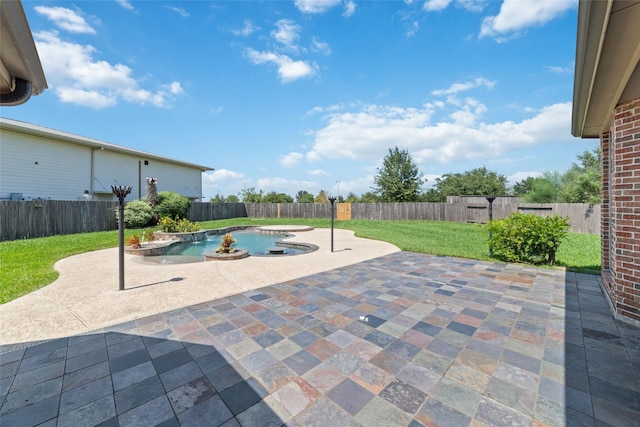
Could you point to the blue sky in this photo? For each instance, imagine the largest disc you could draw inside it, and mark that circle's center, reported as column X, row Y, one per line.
column 310, row 95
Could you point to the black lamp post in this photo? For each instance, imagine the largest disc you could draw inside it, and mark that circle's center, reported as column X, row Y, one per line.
column 332, row 199
column 490, row 199
column 121, row 192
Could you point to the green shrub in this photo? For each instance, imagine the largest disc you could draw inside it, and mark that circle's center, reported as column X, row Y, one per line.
column 528, row 238
column 171, row 204
column 137, row 214
column 183, row 225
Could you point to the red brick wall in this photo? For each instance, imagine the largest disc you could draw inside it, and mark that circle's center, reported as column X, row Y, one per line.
column 621, row 215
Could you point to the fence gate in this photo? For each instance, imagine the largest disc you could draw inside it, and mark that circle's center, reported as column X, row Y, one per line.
column 477, row 214
column 344, row 211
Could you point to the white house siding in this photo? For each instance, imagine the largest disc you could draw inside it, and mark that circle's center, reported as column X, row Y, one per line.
column 180, row 179
column 113, row 168
column 42, row 168
column 38, row 162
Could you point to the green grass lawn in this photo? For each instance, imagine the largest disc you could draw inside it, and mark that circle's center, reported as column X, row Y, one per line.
column 27, row 265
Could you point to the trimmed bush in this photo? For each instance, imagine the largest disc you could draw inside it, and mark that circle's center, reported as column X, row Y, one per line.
column 171, row 204
column 137, row 214
column 528, row 238
column 169, row 225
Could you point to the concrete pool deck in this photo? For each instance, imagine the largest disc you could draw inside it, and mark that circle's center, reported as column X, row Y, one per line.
column 86, row 296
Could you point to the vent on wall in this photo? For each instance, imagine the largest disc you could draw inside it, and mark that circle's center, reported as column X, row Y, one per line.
column 146, row 162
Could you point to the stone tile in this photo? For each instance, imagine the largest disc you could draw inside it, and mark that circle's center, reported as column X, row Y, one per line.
column 211, row 362
column 164, row 347
column 242, row 395
column 191, row 394
column 302, row 362
column 34, row 414
column 136, row 374
column 129, row 360
column 494, row 413
column 296, row 396
column 323, row 349
column 344, row 362
column 304, row 338
column 436, row 413
column 522, row 400
column 259, row 415
column 40, row 359
column 421, row 378
column 38, row 375
column 30, row 395
column 226, row 376
column 379, row 338
column 321, row 413
column 388, row 361
column 549, row 412
column 372, row 377
column 268, row 338
column 437, row 363
column 324, row 377
column 379, row 412
column 258, row 361
column 520, row 360
column 284, row 349
column 138, row 394
column 153, row 412
column 93, row 413
column 180, row 375
column 403, row 396
column 84, row 394
column 457, row 396
column 275, row 376
column 86, row 359
column 350, row 396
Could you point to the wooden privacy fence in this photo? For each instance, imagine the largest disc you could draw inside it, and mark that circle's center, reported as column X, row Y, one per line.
column 39, row 218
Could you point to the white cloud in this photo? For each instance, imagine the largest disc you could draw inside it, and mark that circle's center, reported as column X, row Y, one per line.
column 367, row 134
column 436, row 5
column 247, row 29
column 222, row 175
column 180, row 11
column 291, row 160
column 66, row 19
column 349, row 8
column 286, row 33
column 519, row 176
column 517, row 15
column 283, row 185
column 288, row 69
column 76, row 77
column 560, row 70
column 317, row 172
column 461, row 87
column 319, row 46
column 315, row 6
column 125, row 4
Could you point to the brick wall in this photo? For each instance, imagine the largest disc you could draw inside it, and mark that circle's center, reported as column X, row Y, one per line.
column 621, row 215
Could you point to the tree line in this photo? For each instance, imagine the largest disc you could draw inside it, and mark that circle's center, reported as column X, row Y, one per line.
column 400, row 180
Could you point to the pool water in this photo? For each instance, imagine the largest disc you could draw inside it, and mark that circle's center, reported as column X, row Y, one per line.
column 255, row 243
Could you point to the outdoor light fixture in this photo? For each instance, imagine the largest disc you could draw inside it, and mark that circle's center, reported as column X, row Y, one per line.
column 332, row 200
column 121, row 192
column 490, row 199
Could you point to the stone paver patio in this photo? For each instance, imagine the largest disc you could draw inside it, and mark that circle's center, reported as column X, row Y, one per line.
column 401, row 340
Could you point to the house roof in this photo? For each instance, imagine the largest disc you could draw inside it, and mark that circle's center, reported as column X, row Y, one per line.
column 31, row 129
column 21, row 73
column 607, row 71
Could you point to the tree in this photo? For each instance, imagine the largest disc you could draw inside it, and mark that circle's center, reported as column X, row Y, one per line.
column 369, row 197
column 303, row 196
column 249, row 195
column 523, row 187
column 398, row 180
column 232, row 198
column 581, row 183
column 218, row 198
column 476, row 182
column 432, row 195
column 351, row 198
column 545, row 189
column 172, row 205
column 322, row 197
column 273, row 197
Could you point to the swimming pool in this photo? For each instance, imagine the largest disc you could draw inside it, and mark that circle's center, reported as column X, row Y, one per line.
column 257, row 244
